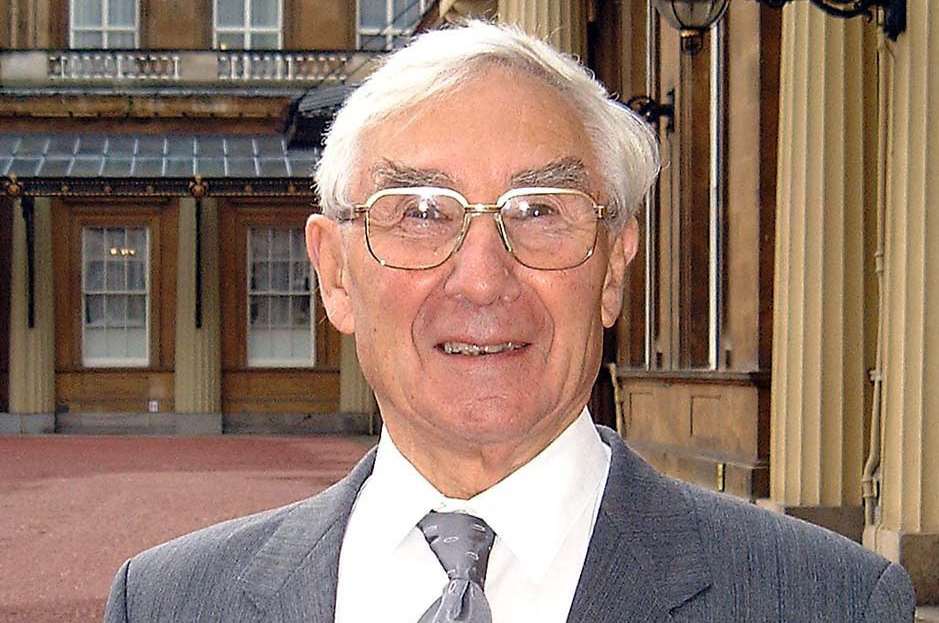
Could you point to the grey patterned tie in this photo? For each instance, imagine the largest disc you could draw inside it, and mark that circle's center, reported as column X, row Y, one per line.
column 462, row 544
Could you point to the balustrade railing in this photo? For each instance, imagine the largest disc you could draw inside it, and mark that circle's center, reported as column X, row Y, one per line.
column 221, row 68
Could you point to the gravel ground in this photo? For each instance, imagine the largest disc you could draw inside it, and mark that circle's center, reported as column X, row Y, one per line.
column 72, row 509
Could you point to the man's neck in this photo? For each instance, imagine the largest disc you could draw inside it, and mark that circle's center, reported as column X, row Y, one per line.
column 463, row 470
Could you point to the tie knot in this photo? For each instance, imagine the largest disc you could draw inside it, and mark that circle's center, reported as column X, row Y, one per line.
column 461, row 543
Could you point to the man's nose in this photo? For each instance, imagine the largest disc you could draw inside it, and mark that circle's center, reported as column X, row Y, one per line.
column 482, row 271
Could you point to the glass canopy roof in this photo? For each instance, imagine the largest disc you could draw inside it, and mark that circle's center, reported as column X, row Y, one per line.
column 152, row 156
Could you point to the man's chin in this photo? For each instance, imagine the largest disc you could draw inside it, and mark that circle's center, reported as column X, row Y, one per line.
column 486, row 423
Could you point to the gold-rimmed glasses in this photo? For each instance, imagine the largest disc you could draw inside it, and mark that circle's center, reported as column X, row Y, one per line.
column 421, row 227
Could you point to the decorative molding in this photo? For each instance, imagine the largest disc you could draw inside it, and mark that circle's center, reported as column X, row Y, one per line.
column 298, row 187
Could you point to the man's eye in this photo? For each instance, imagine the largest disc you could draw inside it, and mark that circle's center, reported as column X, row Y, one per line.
column 534, row 209
column 423, row 210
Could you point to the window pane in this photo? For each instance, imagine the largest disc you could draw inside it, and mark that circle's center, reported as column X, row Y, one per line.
column 297, row 244
column 136, row 340
column 260, row 277
column 88, row 40
column 122, row 12
column 93, row 241
column 280, row 244
column 260, row 248
column 137, row 242
column 121, row 40
column 96, row 344
column 280, row 311
column 94, row 310
column 137, row 311
column 301, row 311
column 136, row 276
column 266, row 41
column 230, row 13
column 94, row 276
column 280, row 276
column 115, row 310
column 280, row 344
column 115, row 276
column 87, row 13
column 265, row 13
column 258, row 346
column 231, row 41
column 114, row 241
column 299, row 278
column 116, row 344
column 373, row 42
column 260, row 311
column 373, row 13
column 406, row 13
column 302, row 346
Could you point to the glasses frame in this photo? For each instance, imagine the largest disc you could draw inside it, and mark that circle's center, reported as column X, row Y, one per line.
column 470, row 211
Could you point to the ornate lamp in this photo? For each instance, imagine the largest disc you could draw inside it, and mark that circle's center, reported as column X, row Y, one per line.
column 692, row 18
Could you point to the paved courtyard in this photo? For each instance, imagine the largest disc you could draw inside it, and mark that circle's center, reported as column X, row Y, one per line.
column 72, row 509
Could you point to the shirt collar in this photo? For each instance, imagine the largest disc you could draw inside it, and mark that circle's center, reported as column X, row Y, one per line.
column 532, row 511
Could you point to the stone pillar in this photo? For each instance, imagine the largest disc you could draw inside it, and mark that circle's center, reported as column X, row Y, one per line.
column 30, row 24
column 906, row 525
column 198, row 351
column 826, row 155
column 32, row 350
column 561, row 22
column 355, row 395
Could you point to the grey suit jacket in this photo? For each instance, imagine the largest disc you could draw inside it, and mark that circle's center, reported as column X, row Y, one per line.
column 661, row 551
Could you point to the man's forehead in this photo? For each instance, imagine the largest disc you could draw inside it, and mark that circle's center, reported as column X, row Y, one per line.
column 565, row 172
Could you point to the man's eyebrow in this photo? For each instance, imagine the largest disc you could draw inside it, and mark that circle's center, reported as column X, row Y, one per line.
column 567, row 172
column 390, row 174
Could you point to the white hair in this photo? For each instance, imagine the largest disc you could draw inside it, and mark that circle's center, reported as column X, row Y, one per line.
column 441, row 61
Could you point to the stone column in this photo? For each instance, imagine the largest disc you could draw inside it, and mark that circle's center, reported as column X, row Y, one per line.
column 828, row 74
column 561, row 22
column 32, row 350
column 198, row 394
column 906, row 525
column 355, row 395
column 29, row 24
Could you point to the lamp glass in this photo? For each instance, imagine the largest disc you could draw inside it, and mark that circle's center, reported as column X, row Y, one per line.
column 691, row 14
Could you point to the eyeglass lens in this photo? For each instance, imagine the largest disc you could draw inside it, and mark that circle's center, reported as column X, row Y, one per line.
column 547, row 230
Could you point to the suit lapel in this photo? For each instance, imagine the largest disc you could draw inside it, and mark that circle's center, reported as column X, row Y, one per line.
column 645, row 556
column 644, row 560
column 293, row 576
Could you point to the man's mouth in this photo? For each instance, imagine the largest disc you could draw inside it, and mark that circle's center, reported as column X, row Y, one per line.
column 475, row 350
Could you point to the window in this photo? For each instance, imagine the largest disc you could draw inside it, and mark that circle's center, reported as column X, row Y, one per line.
column 103, row 24
column 280, row 304
column 388, row 24
column 248, row 24
column 115, row 297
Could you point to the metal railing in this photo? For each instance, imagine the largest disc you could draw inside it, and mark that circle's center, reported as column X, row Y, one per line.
column 217, row 68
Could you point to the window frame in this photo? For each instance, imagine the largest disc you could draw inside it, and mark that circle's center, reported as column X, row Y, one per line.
column 118, row 362
column 160, row 215
column 248, row 31
column 106, row 29
column 276, row 362
column 236, row 215
column 388, row 31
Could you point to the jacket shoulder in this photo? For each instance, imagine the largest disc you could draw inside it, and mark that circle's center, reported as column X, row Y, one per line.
column 193, row 577
column 787, row 569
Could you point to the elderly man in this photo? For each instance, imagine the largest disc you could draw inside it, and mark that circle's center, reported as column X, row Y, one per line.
column 477, row 199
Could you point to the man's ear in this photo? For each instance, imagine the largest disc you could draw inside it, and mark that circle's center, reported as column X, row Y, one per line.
column 324, row 246
column 623, row 248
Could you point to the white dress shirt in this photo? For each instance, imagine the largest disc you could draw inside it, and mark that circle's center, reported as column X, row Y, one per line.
column 543, row 516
